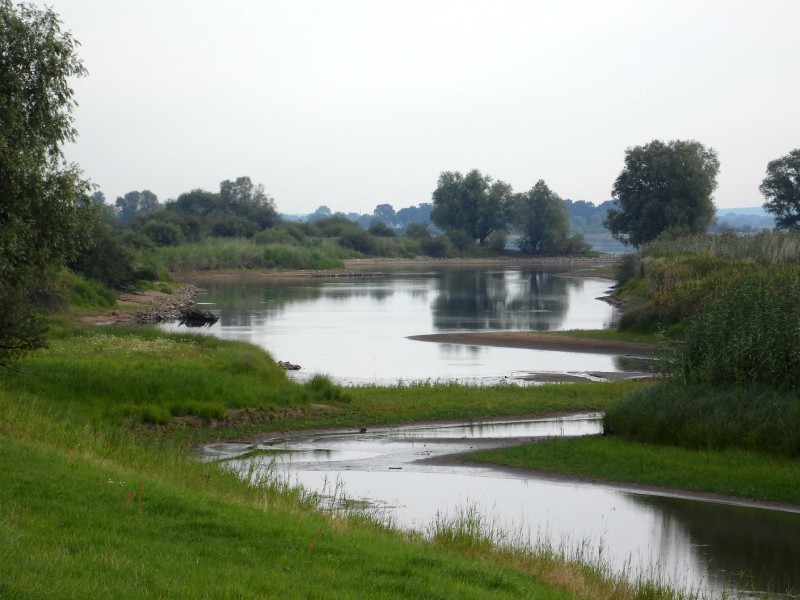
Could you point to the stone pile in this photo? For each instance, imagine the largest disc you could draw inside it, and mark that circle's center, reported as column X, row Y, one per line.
column 173, row 308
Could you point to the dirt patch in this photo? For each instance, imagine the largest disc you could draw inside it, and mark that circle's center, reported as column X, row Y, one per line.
column 540, row 341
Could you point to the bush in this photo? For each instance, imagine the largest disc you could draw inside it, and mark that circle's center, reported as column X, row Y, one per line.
column 460, row 240
column 381, row 229
column 162, row 233
column 436, row 247
column 496, row 242
column 358, row 240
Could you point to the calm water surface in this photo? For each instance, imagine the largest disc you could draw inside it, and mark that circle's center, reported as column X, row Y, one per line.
column 356, row 330
column 399, row 473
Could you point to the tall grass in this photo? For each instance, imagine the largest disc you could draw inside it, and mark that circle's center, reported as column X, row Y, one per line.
column 709, row 418
column 241, row 254
column 769, row 247
column 731, row 307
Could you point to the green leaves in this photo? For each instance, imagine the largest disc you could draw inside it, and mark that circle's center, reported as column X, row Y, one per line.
column 42, row 197
column 781, row 188
column 663, row 186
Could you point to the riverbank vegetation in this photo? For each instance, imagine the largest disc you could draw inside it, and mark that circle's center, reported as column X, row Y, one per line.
column 727, row 311
column 101, row 492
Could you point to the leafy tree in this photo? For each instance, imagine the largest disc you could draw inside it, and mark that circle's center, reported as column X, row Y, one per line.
column 42, row 198
column 414, row 214
column 542, row 220
column 663, row 186
column 323, row 212
column 248, row 201
column 471, row 203
column 781, row 188
column 384, row 212
column 134, row 204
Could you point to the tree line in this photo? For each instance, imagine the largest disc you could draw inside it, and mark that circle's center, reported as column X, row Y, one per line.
column 49, row 219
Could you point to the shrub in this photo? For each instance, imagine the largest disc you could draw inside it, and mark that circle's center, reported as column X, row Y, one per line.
column 358, row 240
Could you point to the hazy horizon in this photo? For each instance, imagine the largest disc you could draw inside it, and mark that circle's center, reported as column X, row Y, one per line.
column 354, row 103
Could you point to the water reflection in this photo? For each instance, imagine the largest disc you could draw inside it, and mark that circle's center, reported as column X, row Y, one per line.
column 356, row 330
column 471, row 299
column 760, row 548
column 692, row 543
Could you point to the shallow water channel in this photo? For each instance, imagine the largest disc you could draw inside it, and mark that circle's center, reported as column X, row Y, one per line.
column 409, row 476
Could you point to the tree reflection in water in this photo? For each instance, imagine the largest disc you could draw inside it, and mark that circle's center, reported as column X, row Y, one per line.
column 725, row 538
column 478, row 299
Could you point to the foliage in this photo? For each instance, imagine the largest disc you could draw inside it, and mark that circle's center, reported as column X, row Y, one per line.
column 236, row 254
column 663, row 186
column 471, row 203
column 85, row 293
column 781, row 188
column 752, row 417
column 115, row 257
column 541, row 218
column 135, row 204
column 43, row 197
column 749, row 335
column 163, row 233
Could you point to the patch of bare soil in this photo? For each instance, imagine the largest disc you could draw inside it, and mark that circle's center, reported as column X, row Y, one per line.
column 128, row 303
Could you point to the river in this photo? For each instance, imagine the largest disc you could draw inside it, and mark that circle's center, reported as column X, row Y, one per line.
column 356, row 330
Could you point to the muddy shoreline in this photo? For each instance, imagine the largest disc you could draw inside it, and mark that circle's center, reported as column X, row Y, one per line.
column 541, row 341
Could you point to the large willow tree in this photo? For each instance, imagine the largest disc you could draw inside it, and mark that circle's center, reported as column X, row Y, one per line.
column 41, row 196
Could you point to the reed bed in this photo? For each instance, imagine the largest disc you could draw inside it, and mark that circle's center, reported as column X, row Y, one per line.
column 240, row 254
column 769, row 247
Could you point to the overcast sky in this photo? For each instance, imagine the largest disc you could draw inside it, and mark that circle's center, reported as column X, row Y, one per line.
column 356, row 103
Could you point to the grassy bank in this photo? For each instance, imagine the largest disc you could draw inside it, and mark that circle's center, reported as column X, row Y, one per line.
column 101, row 499
column 740, row 473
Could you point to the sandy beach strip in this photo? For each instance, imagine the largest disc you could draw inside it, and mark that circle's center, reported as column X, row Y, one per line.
column 540, row 341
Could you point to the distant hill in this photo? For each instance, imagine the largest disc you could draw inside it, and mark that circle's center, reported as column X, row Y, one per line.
column 751, row 210
column 746, row 220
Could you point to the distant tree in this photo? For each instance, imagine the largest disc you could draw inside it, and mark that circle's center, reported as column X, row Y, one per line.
column 98, row 198
column 384, row 212
column 471, row 203
column 781, row 188
column 43, row 200
column 249, row 202
column 542, row 220
column 135, row 204
column 197, row 203
column 414, row 214
column 323, row 212
column 663, row 186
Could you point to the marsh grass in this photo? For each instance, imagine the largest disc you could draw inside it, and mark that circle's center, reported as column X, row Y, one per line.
column 769, row 247
column 753, row 418
column 242, row 254
column 579, row 566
